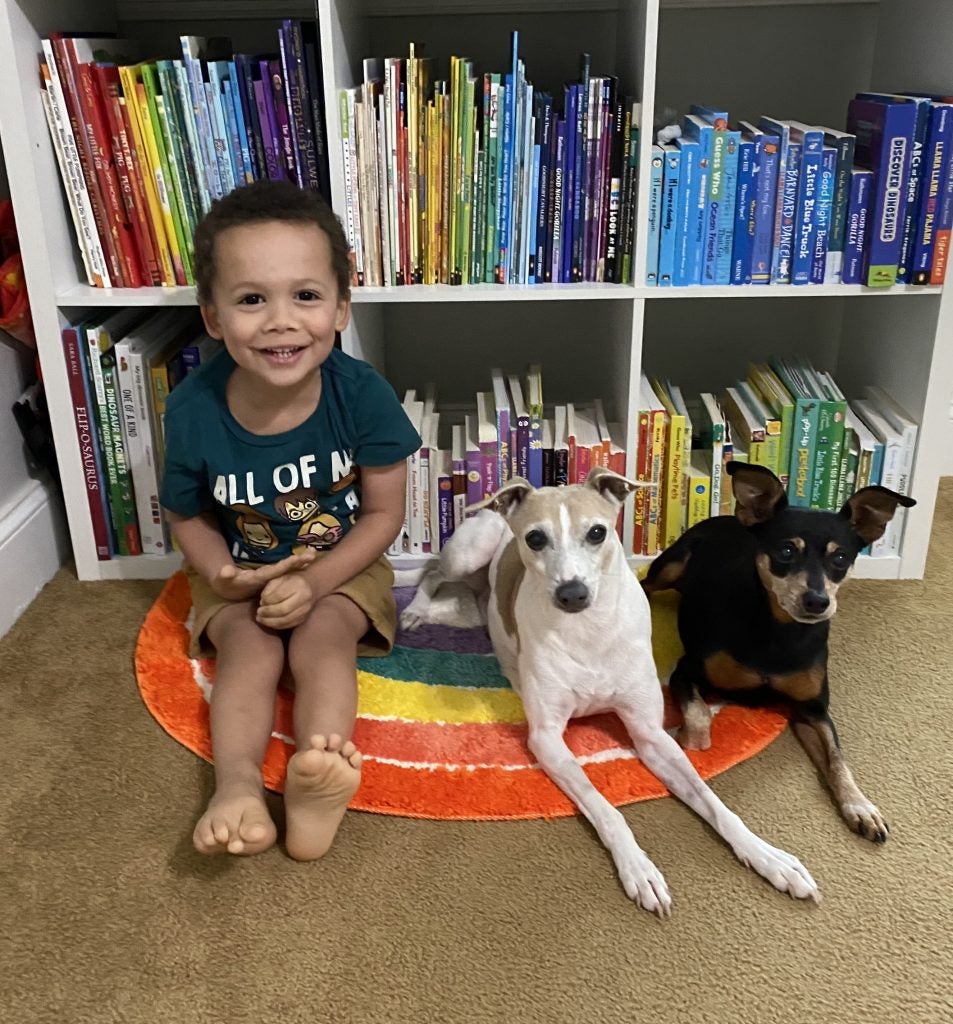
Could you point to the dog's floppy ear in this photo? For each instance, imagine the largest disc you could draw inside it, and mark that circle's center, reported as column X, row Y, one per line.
column 759, row 494
column 611, row 485
column 871, row 508
column 506, row 498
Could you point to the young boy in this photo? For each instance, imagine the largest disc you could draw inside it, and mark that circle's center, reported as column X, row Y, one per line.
column 284, row 485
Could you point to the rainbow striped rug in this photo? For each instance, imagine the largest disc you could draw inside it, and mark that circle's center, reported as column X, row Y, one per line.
column 442, row 732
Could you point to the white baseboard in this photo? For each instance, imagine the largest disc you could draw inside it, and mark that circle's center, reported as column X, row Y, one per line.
column 34, row 543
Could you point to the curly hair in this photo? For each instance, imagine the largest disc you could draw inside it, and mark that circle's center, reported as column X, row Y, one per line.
column 261, row 201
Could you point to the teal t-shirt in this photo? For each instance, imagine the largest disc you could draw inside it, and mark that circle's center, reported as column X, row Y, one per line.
column 281, row 493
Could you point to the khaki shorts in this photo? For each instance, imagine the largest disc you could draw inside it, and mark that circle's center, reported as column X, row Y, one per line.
column 371, row 590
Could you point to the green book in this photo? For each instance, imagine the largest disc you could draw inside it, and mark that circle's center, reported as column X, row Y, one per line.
column 803, row 432
column 830, row 440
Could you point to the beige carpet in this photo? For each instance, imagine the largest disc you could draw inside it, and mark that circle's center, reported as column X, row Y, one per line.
column 108, row 915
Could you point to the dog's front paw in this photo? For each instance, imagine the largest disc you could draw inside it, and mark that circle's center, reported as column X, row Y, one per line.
column 866, row 820
column 414, row 616
column 694, row 738
column 783, row 870
column 643, row 882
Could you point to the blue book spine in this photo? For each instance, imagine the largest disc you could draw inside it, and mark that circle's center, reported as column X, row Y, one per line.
column 233, row 87
column 745, row 205
column 727, row 208
column 694, row 128
column 686, row 236
column 785, row 247
column 569, row 181
column 781, row 274
column 858, row 210
column 936, row 166
column 825, row 203
column 885, row 134
column 544, row 184
column 656, row 173
column 671, row 168
column 766, row 153
column 805, row 216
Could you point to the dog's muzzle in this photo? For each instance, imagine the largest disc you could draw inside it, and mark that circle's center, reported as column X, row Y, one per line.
column 572, row 596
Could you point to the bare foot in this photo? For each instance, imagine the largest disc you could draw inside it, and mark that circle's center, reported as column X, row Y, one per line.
column 236, row 821
column 321, row 781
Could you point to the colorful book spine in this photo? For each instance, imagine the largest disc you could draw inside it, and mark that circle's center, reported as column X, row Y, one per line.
column 825, row 201
column 858, row 210
column 745, row 208
column 656, row 178
column 90, row 457
column 843, row 143
column 885, row 133
column 766, row 161
column 668, row 220
column 811, row 141
column 687, row 235
column 727, row 208
column 936, row 169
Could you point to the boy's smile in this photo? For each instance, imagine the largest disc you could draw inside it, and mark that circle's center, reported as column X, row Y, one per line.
column 275, row 303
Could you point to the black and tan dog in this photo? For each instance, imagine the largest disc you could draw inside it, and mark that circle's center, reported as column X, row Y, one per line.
column 758, row 591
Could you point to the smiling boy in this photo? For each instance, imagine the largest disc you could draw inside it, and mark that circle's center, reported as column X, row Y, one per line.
column 284, row 484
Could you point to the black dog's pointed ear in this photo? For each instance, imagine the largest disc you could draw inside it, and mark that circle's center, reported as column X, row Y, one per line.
column 506, row 498
column 759, row 494
column 871, row 508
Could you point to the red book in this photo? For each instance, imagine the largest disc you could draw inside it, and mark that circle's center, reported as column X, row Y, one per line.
column 128, row 171
column 71, row 89
column 88, row 442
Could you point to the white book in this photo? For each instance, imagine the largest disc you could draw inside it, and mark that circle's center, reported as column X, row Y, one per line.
column 890, row 475
column 458, row 463
column 714, row 430
column 868, row 445
column 414, row 527
column 135, row 405
column 901, row 421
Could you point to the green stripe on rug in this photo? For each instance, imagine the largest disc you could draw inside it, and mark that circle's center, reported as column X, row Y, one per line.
column 443, row 668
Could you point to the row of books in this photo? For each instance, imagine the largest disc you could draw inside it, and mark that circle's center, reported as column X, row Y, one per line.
column 785, row 415
column 783, row 202
column 121, row 367
column 467, row 454
column 470, row 179
column 144, row 148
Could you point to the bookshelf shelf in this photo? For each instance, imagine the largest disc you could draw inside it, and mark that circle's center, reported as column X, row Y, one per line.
column 592, row 339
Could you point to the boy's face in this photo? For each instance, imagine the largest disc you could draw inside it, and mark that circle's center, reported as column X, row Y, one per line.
column 275, row 300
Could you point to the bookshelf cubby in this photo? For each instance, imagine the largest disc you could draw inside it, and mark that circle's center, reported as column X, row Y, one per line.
column 752, row 57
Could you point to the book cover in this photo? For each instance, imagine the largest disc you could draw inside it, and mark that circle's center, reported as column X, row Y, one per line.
column 811, row 141
column 534, row 404
column 825, row 202
column 688, row 249
column 936, row 170
column 843, row 143
column 656, row 178
column 766, row 160
column 785, row 198
column 858, row 211
column 745, row 207
column 885, row 134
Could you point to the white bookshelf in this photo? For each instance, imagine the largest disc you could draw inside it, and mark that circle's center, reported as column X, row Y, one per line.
column 591, row 339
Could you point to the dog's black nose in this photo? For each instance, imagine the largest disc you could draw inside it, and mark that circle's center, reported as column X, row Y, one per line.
column 816, row 602
column 572, row 596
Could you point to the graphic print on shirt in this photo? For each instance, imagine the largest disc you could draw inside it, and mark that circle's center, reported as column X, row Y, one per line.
column 322, row 517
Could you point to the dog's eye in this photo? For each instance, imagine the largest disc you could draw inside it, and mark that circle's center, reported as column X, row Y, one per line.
column 840, row 559
column 536, row 540
column 787, row 552
column 596, row 534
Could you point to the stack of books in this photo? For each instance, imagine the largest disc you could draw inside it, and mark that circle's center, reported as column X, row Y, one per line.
column 121, row 367
column 480, row 179
column 783, row 202
column 785, row 415
column 144, row 148
column 468, row 453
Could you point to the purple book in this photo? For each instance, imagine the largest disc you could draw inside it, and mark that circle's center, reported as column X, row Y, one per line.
column 266, row 119
column 282, row 118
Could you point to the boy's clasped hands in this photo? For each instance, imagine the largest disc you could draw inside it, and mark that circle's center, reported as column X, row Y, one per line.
column 285, row 593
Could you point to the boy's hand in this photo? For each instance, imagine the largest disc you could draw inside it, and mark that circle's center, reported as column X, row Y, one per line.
column 235, row 583
column 286, row 602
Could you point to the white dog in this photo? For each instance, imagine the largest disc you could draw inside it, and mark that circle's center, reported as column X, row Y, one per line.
column 571, row 628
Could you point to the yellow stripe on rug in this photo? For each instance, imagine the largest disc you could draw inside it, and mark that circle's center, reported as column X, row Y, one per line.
column 428, row 702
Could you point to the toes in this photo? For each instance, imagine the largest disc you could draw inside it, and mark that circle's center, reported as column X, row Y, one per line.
column 334, row 743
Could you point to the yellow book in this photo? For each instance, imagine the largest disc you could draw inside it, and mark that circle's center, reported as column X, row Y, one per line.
column 162, row 186
column 673, row 504
column 127, row 76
